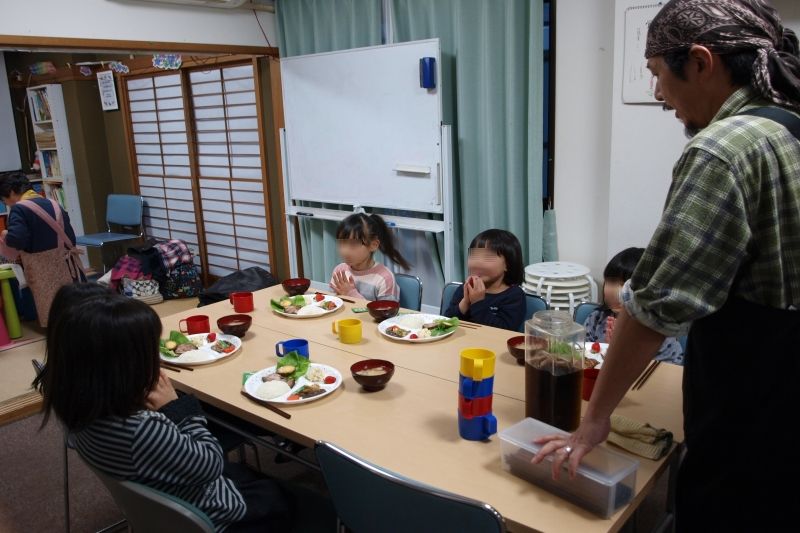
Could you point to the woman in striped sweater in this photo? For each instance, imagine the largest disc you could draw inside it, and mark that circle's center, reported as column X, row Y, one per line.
column 104, row 384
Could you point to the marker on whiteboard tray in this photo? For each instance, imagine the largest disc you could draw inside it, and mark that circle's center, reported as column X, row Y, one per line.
column 304, row 214
column 391, row 224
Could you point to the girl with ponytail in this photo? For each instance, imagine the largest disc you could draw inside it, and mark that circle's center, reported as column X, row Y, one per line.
column 360, row 276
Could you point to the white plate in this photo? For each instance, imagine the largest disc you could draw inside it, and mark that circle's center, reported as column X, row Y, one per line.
column 254, row 382
column 310, row 301
column 399, row 319
column 587, row 353
column 204, row 354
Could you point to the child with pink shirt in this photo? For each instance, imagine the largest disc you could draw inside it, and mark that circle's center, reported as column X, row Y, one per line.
column 360, row 276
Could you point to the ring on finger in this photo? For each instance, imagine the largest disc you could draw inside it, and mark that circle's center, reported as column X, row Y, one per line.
column 567, row 450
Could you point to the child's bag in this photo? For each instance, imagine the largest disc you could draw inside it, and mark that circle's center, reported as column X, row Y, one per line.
column 183, row 281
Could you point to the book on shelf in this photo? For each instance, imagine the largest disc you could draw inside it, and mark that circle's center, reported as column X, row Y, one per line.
column 51, row 165
column 40, row 105
column 45, row 139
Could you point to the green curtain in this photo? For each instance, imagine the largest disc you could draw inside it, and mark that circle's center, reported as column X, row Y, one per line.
column 492, row 69
column 314, row 26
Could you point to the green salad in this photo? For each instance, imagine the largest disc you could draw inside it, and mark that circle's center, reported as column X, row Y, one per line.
column 443, row 326
column 292, row 360
column 176, row 338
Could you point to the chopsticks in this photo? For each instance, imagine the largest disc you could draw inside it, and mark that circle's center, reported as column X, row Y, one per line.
column 468, row 326
column 645, row 375
column 175, row 368
column 268, row 405
column 465, row 323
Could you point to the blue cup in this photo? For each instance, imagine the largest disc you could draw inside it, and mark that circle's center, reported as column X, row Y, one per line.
column 478, row 427
column 470, row 389
column 292, row 345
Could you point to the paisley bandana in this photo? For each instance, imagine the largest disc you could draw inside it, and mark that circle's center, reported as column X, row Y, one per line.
column 729, row 26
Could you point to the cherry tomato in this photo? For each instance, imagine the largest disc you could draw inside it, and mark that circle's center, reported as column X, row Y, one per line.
column 211, row 337
column 413, row 336
column 596, row 347
column 229, row 349
column 319, row 297
column 293, row 398
column 329, row 380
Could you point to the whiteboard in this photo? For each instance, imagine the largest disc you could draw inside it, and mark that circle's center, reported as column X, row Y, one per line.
column 345, row 145
column 638, row 85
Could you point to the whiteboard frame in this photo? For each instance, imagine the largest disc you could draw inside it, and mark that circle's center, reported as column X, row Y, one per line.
column 408, row 169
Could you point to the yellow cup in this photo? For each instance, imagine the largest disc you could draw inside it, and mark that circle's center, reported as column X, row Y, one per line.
column 477, row 363
column 349, row 330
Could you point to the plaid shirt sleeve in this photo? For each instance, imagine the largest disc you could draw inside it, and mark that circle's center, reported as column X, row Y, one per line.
column 697, row 249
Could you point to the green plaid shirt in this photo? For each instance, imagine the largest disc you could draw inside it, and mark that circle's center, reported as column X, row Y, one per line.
column 730, row 226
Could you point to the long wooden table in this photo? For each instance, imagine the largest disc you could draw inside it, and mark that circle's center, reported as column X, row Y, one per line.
column 410, row 427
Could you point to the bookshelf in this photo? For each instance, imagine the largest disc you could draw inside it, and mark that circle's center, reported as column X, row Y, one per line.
column 49, row 119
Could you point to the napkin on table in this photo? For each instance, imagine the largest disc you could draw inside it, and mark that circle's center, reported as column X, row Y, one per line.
column 639, row 438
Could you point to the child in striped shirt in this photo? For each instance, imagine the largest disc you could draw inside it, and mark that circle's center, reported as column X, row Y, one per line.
column 104, row 383
column 360, row 276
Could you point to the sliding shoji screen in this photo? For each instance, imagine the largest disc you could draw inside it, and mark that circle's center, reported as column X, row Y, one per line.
column 229, row 165
column 163, row 166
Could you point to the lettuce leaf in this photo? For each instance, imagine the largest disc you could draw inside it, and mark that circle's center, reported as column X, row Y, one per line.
column 176, row 337
column 444, row 326
column 299, row 362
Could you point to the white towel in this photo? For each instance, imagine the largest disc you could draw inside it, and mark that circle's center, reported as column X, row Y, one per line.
column 18, row 272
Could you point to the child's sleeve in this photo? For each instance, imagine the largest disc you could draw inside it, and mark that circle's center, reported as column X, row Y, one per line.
column 388, row 289
column 595, row 325
column 185, row 452
column 342, row 267
column 453, row 309
column 509, row 313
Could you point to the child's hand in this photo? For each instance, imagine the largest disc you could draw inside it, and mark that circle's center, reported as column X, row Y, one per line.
column 162, row 393
column 342, row 283
column 609, row 328
column 476, row 288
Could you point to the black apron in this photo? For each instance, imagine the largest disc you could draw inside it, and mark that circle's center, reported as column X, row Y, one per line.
column 740, row 405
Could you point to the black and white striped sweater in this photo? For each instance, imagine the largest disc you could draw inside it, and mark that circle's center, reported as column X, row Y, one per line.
column 170, row 450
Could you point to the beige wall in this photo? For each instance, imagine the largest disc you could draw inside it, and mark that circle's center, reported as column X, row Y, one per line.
column 603, row 202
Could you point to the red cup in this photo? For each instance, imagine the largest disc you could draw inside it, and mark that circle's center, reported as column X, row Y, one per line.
column 195, row 324
column 589, row 379
column 242, row 301
column 470, row 408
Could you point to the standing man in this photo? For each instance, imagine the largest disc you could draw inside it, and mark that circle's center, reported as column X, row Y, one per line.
column 725, row 260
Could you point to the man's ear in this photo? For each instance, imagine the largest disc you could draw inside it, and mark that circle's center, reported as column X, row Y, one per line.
column 701, row 61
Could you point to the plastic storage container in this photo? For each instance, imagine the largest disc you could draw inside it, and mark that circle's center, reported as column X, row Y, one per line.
column 605, row 480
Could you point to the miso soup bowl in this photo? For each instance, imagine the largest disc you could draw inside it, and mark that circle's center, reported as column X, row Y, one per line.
column 372, row 383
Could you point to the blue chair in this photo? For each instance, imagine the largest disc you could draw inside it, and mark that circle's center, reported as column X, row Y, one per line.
column 533, row 303
column 153, row 511
column 370, row 498
column 410, row 291
column 124, row 211
column 447, row 295
column 583, row 310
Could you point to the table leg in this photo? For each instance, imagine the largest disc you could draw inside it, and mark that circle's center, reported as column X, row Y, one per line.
column 10, row 310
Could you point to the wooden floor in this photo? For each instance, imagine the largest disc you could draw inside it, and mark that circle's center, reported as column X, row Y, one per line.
column 17, row 399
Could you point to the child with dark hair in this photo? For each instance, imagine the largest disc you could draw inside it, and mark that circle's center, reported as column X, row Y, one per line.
column 360, row 276
column 126, row 419
column 600, row 323
column 492, row 295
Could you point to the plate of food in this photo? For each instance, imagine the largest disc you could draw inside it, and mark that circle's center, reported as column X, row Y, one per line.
column 198, row 349
column 418, row 327
column 593, row 354
column 293, row 380
column 306, row 305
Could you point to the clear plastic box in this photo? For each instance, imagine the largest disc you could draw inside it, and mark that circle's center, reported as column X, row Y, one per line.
column 605, row 480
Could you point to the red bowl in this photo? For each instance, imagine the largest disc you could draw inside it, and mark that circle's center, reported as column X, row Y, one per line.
column 295, row 286
column 516, row 347
column 382, row 309
column 372, row 382
column 236, row 325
